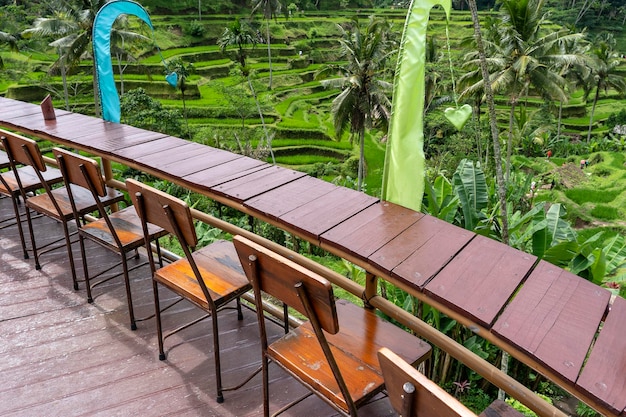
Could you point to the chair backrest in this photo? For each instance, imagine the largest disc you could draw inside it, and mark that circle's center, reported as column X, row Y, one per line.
column 149, row 203
column 412, row 394
column 22, row 151
column 81, row 171
column 278, row 276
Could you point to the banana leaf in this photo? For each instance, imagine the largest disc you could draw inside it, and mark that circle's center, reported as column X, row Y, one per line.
column 471, row 188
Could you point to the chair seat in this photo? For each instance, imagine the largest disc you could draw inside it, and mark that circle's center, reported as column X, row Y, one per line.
column 355, row 348
column 127, row 225
column 220, row 268
column 82, row 198
column 30, row 180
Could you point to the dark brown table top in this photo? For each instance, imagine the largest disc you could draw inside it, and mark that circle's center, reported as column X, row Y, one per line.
column 554, row 317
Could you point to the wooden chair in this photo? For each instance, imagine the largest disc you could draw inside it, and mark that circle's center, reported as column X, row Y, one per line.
column 54, row 203
column 412, row 394
column 120, row 231
column 210, row 277
column 29, row 174
column 334, row 353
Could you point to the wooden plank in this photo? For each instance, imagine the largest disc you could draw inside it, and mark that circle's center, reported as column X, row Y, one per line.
column 33, row 123
column 110, row 146
column 9, row 103
column 256, row 183
column 197, row 163
column 554, row 318
column 479, row 281
column 167, row 143
column 329, row 210
column 420, row 251
column 603, row 374
column 369, row 230
column 227, row 171
column 183, row 152
column 17, row 111
column 287, row 197
column 69, row 127
column 89, row 131
column 105, row 133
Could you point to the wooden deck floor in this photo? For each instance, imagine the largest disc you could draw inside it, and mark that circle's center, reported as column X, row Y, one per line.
column 62, row 356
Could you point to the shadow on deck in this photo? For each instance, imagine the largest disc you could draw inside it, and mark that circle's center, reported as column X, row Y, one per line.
column 63, row 356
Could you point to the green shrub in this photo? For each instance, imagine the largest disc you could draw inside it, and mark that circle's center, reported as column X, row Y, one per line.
column 303, row 159
column 522, row 408
column 582, row 195
column 350, row 168
column 602, row 211
column 476, row 400
column 195, row 29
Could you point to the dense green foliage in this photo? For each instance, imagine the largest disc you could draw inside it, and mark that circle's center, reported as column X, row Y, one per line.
column 572, row 218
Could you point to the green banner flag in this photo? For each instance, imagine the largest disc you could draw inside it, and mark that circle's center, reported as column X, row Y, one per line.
column 403, row 178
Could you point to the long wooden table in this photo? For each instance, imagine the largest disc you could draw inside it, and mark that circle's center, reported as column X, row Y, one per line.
column 563, row 326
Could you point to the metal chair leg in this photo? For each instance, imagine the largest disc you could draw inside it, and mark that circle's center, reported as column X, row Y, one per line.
column 129, row 297
column 216, row 354
column 157, row 312
column 239, row 312
column 21, row 229
column 70, row 254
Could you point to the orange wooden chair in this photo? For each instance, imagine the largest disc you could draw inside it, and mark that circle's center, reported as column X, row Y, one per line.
column 412, row 394
column 120, row 232
column 55, row 202
column 334, row 353
column 210, row 277
column 28, row 175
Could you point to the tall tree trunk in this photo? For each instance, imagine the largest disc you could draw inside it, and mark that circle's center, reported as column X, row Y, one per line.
column 558, row 127
column 497, row 154
column 64, row 78
column 121, row 71
column 361, row 159
column 96, row 93
column 258, row 107
column 269, row 52
column 593, row 111
column 509, row 143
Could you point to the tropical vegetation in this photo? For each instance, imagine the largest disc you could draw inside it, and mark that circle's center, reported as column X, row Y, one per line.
column 318, row 101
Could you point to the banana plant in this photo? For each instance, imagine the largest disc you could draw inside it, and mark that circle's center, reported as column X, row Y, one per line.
column 470, row 186
column 440, row 200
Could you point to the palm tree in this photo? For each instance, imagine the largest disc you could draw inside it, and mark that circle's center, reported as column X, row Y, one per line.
column 525, row 57
column 604, row 71
column 270, row 9
column 240, row 34
column 497, row 154
column 9, row 40
column 72, row 26
column 363, row 99
column 183, row 71
column 62, row 24
column 120, row 48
